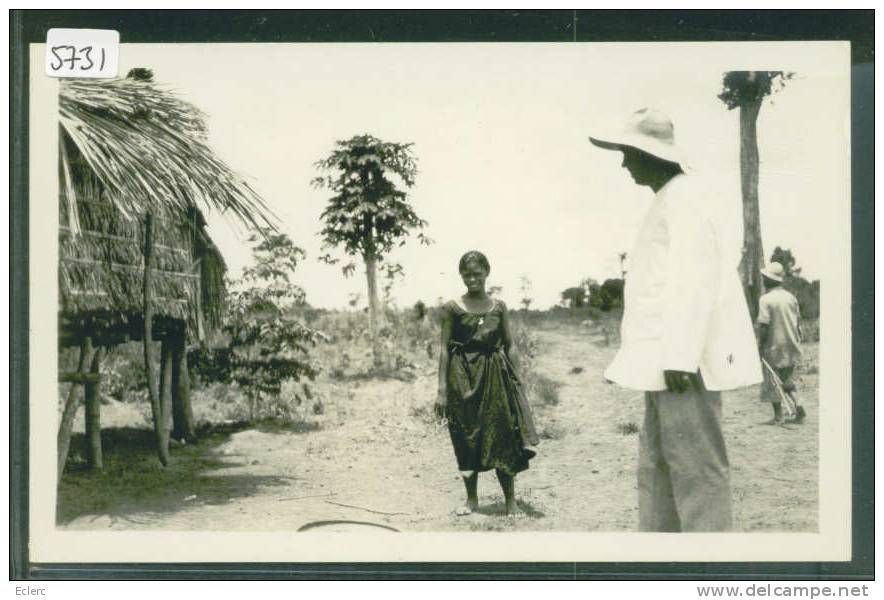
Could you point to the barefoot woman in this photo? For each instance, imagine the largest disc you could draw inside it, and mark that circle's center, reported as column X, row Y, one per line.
column 488, row 419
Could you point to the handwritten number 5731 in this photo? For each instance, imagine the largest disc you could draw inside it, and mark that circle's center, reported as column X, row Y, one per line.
column 71, row 55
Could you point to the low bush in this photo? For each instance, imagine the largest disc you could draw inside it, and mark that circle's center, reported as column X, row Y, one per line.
column 810, row 330
column 627, row 428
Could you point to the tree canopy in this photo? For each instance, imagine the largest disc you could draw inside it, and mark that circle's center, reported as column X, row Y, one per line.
column 742, row 87
column 785, row 258
column 368, row 215
column 574, row 296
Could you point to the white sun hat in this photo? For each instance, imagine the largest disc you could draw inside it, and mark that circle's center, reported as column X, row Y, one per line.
column 774, row 271
column 648, row 130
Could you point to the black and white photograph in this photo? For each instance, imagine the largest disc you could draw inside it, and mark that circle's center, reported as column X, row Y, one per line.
column 442, row 302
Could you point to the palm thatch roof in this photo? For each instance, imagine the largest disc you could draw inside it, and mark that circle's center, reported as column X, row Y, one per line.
column 128, row 148
column 149, row 150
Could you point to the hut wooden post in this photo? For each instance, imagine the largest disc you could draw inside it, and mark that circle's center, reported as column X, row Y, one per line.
column 182, row 411
column 166, row 363
column 156, row 408
column 93, row 414
column 70, row 408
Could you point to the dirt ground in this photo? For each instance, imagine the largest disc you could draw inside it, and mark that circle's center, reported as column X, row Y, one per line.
column 376, row 457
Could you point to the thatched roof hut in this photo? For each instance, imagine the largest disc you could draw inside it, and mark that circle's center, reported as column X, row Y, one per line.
column 129, row 148
column 135, row 261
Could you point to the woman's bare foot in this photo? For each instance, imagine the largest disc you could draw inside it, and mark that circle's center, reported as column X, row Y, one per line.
column 508, row 485
column 468, row 508
column 471, row 482
column 512, row 509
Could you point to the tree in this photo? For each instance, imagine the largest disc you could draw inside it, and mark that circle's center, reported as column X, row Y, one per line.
column 574, row 296
column 525, row 289
column 622, row 256
column 420, row 310
column 746, row 90
column 368, row 214
column 610, row 295
column 785, row 258
column 267, row 345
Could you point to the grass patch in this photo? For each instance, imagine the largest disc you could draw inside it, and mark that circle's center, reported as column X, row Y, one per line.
column 133, row 480
column 551, row 430
column 543, row 390
column 269, row 425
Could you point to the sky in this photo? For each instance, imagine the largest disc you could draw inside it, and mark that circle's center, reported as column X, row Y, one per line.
column 500, row 135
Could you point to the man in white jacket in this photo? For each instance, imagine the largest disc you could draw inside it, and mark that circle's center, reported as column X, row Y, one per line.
column 686, row 335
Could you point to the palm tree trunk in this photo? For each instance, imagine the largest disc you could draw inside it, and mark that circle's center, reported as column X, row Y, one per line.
column 371, row 274
column 753, row 251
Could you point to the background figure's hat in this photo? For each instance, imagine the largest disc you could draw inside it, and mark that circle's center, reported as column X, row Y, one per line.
column 774, row 271
column 647, row 130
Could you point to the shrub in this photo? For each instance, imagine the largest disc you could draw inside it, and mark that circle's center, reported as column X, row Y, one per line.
column 407, row 343
column 551, row 430
column 629, row 428
column 807, row 293
column 122, row 371
column 606, row 296
column 267, row 344
column 541, row 389
column 810, row 330
column 228, row 403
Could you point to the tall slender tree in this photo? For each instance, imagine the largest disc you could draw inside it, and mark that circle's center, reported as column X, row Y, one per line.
column 746, row 91
column 369, row 213
column 525, row 288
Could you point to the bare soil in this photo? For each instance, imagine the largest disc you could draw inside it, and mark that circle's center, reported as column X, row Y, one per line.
column 376, row 456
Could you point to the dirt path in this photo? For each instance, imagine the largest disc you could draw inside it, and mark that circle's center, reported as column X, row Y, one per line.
column 379, row 459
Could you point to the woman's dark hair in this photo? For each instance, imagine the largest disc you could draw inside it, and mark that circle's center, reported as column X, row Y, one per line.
column 475, row 257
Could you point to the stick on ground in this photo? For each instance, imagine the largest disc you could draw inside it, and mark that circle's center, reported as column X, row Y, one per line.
column 305, row 497
column 377, row 512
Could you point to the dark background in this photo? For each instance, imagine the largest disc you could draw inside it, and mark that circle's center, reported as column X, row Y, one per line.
column 856, row 26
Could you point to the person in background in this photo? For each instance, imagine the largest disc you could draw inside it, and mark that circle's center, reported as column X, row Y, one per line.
column 686, row 335
column 779, row 340
column 480, row 394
